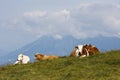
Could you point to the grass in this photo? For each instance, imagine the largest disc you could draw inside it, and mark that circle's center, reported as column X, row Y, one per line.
column 98, row 67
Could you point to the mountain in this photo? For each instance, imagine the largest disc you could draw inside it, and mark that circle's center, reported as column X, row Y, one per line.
column 3, row 52
column 61, row 47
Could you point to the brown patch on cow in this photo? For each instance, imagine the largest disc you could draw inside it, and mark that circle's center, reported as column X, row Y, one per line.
column 92, row 50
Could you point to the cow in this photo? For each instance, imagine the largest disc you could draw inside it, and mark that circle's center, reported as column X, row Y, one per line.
column 84, row 50
column 22, row 59
column 39, row 56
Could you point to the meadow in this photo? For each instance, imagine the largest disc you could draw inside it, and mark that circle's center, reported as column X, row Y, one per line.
column 104, row 66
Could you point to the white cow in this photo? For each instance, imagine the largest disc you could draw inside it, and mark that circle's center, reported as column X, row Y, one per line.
column 22, row 59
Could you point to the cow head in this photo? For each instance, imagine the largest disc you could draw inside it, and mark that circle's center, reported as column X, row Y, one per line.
column 20, row 57
column 79, row 49
column 38, row 56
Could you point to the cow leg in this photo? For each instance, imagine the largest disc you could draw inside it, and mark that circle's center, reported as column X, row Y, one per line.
column 17, row 62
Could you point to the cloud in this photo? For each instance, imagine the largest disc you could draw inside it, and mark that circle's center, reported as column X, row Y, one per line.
column 86, row 20
column 35, row 14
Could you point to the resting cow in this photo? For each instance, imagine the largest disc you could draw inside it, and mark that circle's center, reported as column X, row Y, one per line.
column 45, row 57
column 84, row 50
column 22, row 59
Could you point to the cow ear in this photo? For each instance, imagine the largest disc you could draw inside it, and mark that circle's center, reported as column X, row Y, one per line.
column 85, row 45
column 76, row 47
column 90, row 45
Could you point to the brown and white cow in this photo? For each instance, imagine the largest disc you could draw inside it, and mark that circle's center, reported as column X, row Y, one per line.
column 84, row 50
column 39, row 56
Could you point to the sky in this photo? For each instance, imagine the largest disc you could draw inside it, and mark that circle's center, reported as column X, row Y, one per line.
column 24, row 21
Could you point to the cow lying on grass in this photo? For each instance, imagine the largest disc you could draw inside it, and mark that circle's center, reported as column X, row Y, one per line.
column 84, row 50
column 22, row 59
column 45, row 57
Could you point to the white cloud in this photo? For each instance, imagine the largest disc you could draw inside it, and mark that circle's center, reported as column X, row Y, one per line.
column 87, row 20
column 35, row 14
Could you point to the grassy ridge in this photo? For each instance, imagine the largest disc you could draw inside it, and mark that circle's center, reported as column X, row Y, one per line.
column 99, row 67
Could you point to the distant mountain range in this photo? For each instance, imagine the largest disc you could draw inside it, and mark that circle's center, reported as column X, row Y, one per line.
column 3, row 52
column 61, row 47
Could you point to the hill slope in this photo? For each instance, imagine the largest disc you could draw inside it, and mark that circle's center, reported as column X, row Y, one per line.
column 99, row 67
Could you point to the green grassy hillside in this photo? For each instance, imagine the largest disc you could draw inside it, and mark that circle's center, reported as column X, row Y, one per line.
column 98, row 67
